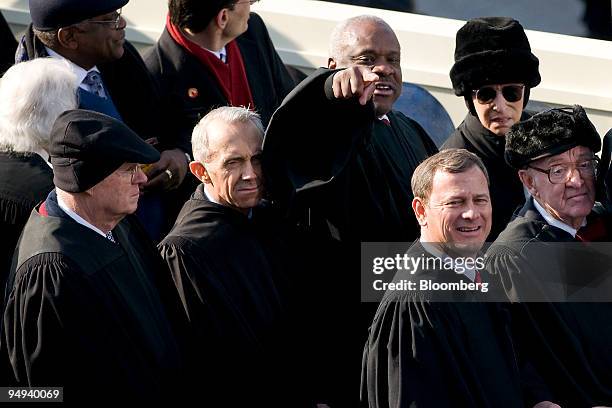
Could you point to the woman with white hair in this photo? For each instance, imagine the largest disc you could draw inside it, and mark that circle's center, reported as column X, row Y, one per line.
column 32, row 95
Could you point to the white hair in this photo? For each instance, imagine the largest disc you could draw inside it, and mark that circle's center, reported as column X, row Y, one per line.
column 343, row 33
column 32, row 95
column 227, row 114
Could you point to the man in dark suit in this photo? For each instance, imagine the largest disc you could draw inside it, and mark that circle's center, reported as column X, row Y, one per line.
column 90, row 35
column 212, row 54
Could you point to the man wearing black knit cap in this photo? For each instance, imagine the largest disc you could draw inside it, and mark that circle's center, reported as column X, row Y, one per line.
column 494, row 71
column 541, row 259
column 90, row 36
column 89, row 306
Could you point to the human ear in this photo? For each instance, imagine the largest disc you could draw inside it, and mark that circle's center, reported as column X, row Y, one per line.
column 418, row 206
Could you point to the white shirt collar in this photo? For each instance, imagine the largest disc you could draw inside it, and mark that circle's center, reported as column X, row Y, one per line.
column 249, row 215
column 555, row 222
column 80, row 72
column 383, row 117
column 77, row 217
column 435, row 251
column 221, row 54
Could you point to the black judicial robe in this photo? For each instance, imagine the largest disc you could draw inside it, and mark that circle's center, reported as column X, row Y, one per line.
column 439, row 354
column 341, row 171
column 344, row 177
column 569, row 344
column 505, row 186
column 233, row 278
column 25, row 180
column 98, row 318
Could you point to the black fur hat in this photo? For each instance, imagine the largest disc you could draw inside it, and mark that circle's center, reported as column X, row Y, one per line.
column 492, row 50
column 549, row 133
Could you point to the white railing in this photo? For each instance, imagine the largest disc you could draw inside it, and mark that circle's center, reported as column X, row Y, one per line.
column 574, row 70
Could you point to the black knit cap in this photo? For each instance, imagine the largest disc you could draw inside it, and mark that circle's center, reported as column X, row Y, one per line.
column 87, row 146
column 550, row 133
column 52, row 14
column 492, row 50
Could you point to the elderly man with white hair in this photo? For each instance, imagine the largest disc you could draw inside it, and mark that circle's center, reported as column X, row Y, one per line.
column 32, row 95
column 229, row 260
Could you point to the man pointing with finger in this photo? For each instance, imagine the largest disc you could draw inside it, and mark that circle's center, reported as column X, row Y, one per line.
column 355, row 161
column 339, row 161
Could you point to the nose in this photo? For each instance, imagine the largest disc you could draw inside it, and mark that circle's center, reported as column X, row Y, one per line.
column 499, row 102
column 383, row 68
column 249, row 172
column 139, row 176
column 575, row 179
column 122, row 23
column 471, row 213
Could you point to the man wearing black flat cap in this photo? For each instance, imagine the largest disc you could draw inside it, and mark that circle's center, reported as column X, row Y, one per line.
column 494, row 71
column 90, row 35
column 90, row 306
column 543, row 261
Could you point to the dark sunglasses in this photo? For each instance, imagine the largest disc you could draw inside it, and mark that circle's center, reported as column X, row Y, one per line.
column 511, row 93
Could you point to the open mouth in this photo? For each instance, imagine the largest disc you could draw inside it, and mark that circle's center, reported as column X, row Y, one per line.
column 383, row 89
column 468, row 230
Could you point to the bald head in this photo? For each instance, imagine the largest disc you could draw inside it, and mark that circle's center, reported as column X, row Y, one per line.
column 348, row 32
column 369, row 42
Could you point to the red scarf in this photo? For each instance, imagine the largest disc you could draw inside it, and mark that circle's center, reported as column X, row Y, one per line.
column 231, row 77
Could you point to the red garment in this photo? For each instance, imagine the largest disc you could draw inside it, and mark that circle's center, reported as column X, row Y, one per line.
column 231, row 76
column 42, row 210
column 594, row 231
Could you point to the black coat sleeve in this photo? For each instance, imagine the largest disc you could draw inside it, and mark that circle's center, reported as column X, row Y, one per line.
column 312, row 137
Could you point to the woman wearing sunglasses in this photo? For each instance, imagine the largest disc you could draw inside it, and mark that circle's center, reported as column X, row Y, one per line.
column 494, row 71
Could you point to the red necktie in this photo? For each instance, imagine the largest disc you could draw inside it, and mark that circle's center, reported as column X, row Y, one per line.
column 386, row 121
column 592, row 232
column 477, row 278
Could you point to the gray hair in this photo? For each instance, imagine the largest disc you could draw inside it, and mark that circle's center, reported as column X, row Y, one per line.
column 227, row 114
column 32, row 95
column 449, row 161
column 343, row 34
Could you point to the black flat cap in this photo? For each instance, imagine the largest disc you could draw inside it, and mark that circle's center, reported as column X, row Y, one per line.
column 492, row 50
column 549, row 133
column 88, row 146
column 52, row 14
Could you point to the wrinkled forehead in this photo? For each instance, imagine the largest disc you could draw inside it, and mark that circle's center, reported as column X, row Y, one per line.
column 371, row 35
column 574, row 154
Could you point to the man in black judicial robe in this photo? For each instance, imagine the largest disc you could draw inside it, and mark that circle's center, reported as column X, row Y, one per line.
column 423, row 350
column 230, row 262
column 340, row 167
column 562, row 329
column 90, row 306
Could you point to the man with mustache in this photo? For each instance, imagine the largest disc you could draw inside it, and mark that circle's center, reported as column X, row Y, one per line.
column 545, row 265
column 339, row 161
column 227, row 257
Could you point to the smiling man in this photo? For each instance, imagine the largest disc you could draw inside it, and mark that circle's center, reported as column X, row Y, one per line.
column 227, row 257
column 426, row 353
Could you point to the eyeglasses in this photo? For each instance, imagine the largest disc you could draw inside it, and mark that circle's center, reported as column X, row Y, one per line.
column 486, row 94
column 114, row 23
column 562, row 173
column 132, row 171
